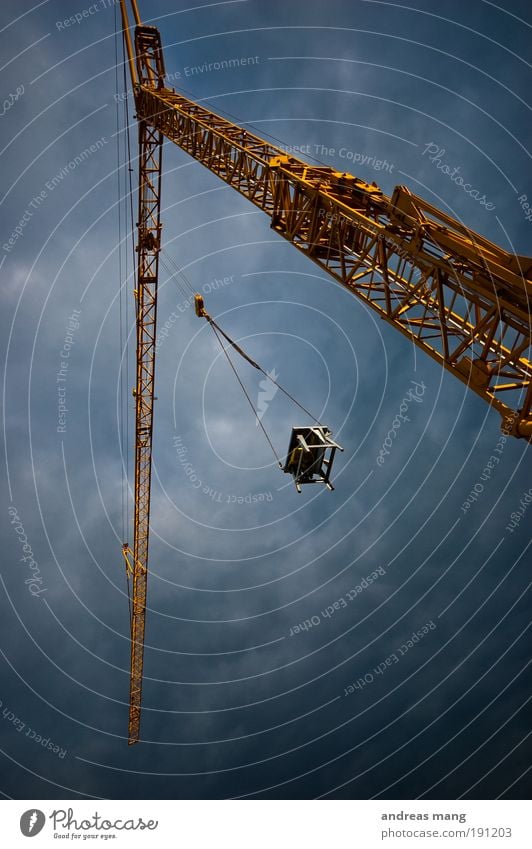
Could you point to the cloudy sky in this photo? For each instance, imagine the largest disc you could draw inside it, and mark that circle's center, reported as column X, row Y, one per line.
column 417, row 683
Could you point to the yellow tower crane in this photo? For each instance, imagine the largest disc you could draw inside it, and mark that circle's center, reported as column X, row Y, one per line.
column 457, row 296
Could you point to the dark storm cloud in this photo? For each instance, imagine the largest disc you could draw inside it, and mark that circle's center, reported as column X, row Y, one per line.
column 235, row 705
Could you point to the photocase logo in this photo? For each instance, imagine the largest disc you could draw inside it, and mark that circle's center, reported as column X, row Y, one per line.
column 32, row 822
column 268, row 391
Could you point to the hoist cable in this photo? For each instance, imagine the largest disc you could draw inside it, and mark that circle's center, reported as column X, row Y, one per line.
column 174, row 277
column 237, row 348
column 177, row 271
column 270, row 443
column 259, row 367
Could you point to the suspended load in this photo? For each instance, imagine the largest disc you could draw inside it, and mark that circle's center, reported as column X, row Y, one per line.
column 310, row 456
column 311, row 450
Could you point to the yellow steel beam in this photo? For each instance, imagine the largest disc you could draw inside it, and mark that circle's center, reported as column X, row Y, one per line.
column 128, row 43
column 136, row 14
column 462, row 299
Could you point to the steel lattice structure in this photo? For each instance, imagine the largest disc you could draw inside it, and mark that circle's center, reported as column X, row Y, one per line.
column 460, row 298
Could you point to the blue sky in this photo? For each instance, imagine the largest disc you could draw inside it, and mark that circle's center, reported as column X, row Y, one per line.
column 236, row 702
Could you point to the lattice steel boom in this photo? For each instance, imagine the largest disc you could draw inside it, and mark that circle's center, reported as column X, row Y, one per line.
column 457, row 296
column 148, row 245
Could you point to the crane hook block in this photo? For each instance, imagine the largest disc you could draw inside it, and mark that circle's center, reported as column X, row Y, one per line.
column 199, row 306
column 310, row 456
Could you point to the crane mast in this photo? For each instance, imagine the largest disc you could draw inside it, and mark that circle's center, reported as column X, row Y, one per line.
column 150, row 149
column 150, row 71
column 456, row 295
